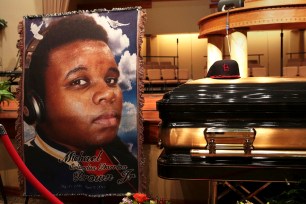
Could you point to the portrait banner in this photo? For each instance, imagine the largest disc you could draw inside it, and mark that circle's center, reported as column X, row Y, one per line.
column 80, row 122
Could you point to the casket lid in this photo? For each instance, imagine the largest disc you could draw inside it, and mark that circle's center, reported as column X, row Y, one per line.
column 259, row 101
column 243, row 90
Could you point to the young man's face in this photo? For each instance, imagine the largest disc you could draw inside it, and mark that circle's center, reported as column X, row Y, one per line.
column 83, row 100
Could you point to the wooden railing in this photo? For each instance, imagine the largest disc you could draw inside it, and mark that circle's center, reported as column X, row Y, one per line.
column 174, row 58
column 249, row 55
column 295, row 53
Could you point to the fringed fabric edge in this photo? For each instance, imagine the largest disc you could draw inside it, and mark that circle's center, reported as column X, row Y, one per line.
column 19, row 121
column 142, row 17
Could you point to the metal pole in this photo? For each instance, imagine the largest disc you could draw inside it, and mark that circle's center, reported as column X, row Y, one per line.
column 177, row 59
column 281, row 53
column 213, row 191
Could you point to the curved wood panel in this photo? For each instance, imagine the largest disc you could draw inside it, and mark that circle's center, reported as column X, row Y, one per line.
column 265, row 3
column 255, row 18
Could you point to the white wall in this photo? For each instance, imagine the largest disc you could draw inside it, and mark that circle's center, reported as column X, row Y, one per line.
column 268, row 43
column 168, row 17
column 190, row 50
column 13, row 12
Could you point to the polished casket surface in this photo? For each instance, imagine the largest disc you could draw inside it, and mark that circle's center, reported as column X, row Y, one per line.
column 275, row 108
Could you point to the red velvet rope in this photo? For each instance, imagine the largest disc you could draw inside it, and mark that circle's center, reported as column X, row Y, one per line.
column 26, row 172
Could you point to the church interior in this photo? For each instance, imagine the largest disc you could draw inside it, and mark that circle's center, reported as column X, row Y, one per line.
column 182, row 40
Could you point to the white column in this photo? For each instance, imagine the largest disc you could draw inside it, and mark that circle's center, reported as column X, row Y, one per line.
column 239, row 51
column 214, row 49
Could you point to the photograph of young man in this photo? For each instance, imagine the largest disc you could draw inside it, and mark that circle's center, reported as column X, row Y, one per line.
column 73, row 99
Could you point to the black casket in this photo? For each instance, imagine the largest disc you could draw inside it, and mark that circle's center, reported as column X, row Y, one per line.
column 251, row 129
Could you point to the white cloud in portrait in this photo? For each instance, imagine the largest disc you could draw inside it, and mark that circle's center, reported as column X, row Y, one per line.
column 117, row 40
column 128, row 119
column 47, row 21
column 127, row 68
